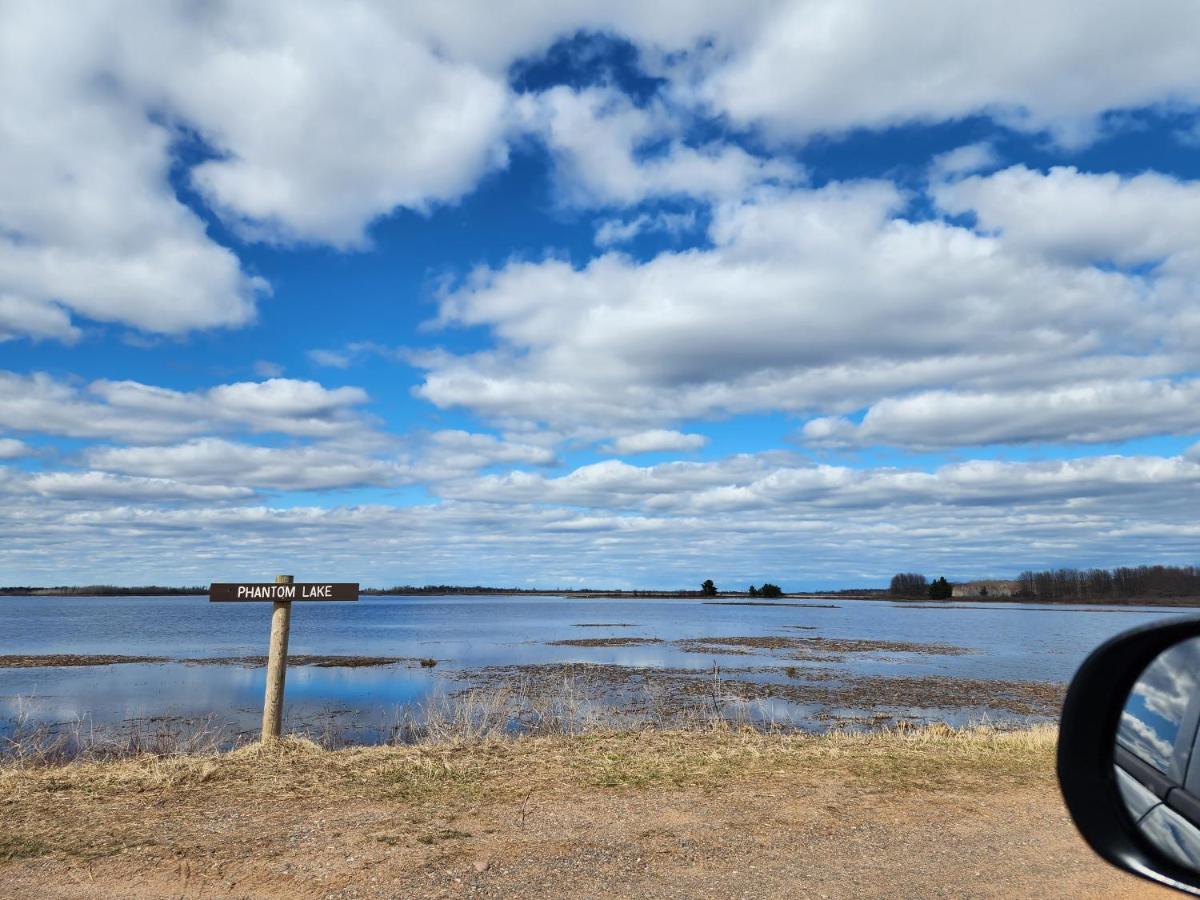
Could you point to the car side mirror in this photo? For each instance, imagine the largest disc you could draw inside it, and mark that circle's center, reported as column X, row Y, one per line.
column 1128, row 752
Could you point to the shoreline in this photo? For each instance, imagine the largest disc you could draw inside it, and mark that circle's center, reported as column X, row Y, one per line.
column 794, row 695
column 722, row 598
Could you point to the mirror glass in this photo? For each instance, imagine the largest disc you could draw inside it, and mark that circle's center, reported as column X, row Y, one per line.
column 1158, row 763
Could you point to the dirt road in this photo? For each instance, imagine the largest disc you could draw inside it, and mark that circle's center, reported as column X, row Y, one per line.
column 689, row 816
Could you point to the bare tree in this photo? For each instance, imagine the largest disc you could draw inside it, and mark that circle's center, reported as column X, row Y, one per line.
column 908, row 584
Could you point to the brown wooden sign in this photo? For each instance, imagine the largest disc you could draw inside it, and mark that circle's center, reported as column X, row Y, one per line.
column 225, row 592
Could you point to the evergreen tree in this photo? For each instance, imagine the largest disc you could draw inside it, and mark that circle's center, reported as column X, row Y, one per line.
column 940, row 589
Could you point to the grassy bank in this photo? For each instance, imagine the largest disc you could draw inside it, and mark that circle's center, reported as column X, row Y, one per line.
column 97, row 795
column 704, row 812
column 898, row 759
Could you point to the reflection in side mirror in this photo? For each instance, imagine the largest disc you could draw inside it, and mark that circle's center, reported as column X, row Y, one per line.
column 1157, row 761
column 1128, row 761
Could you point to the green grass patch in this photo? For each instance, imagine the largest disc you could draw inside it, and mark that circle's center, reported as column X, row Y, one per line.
column 15, row 846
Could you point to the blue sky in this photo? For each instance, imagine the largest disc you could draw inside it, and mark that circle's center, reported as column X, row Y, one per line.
column 599, row 295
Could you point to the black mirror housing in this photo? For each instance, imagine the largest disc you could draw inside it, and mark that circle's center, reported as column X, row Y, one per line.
column 1086, row 761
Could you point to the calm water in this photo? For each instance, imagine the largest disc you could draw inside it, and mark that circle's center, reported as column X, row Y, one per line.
column 1011, row 642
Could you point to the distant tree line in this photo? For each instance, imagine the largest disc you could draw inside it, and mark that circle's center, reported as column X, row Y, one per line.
column 767, row 590
column 940, row 589
column 1122, row 583
column 908, row 584
column 913, row 584
column 103, row 590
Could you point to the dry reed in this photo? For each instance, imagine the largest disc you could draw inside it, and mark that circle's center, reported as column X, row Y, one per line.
column 516, row 713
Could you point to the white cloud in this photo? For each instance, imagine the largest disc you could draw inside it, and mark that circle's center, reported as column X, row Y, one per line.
column 618, row 231
column 963, row 161
column 282, row 398
column 330, row 359
column 656, row 440
column 213, row 461
column 11, row 448
column 833, row 65
column 101, row 486
column 130, row 410
column 217, row 462
column 616, row 524
column 804, row 301
column 324, row 122
column 88, row 221
column 266, row 369
column 455, row 450
column 320, row 124
column 354, row 352
column 35, row 318
column 1084, row 217
column 807, row 300
column 1087, row 413
column 775, row 483
column 598, row 135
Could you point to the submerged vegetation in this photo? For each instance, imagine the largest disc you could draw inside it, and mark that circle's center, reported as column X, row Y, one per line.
column 511, row 703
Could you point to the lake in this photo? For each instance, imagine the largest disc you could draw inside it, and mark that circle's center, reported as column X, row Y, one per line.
column 819, row 661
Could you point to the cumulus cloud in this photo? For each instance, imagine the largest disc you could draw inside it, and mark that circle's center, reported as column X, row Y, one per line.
column 963, row 160
column 617, row 524
column 11, row 448
column 215, row 462
column 130, row 410
column 1056, row 305
column 309, row 127
column 89, row 224
column 870, row 63
column 313, row 126
column 599, row 138
column 102, row 486
column 325, row 122
column 37, row 318
column 1083, row 217
column 767, row 483
column 807, row 299
column 656, row 440
column 323, row 465
column 456, row 450
column 1087, row 413
column 317, row 125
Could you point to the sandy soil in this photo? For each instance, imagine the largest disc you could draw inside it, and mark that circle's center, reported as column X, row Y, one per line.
column 626, row 816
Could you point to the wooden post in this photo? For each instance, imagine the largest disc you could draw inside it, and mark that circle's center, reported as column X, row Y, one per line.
column 281, row 620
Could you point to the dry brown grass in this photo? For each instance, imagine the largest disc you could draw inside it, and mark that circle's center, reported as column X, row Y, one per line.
column 120, row 813
column 895, row 759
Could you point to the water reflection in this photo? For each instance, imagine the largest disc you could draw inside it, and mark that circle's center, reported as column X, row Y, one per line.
column 1017, row 642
